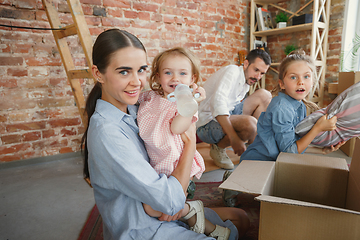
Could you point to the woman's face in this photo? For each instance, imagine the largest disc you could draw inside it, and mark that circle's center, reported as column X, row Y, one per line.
column 124, row 77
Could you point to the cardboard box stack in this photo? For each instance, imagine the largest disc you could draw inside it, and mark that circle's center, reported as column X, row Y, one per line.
column 303, row 196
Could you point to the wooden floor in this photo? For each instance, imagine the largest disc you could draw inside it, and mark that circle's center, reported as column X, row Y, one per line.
column 204, row 150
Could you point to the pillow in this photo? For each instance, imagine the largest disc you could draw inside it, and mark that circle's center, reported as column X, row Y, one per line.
column 346, row 106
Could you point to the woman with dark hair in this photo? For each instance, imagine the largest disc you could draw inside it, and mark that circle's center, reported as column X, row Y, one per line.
column 116, row 159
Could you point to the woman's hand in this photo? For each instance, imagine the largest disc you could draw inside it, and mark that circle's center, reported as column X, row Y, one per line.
column 324, row 124
column 199, row 90
column 190, row 135
column 327, row 150
column 168, row 218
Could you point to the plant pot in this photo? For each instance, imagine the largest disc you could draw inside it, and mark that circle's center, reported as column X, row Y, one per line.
column 281, row 24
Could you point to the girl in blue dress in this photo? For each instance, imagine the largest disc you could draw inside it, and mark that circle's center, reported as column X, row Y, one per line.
column 276, row 126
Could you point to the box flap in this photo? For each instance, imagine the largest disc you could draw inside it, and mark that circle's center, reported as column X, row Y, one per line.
column 255, row 177
column 279, row 200
column 311, row 178
column 353, row 192
column 313, row 160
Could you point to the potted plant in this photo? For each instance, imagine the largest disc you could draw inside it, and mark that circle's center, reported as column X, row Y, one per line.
column 281, row 19
column 289, row 49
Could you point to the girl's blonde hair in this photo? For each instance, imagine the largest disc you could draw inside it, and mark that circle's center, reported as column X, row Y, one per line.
column 297, row 55
column 160, row 58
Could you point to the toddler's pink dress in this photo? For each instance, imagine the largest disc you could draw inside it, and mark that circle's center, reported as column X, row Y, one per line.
column 164, row 148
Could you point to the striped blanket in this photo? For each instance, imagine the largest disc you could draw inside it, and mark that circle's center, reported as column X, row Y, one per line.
column 346, row 106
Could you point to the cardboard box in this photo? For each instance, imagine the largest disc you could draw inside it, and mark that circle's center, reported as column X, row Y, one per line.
column 346, row 79
column 303, row 196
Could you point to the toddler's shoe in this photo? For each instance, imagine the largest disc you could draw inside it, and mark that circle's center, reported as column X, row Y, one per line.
column 221, row 159
column 196, row 207
column 220, row 233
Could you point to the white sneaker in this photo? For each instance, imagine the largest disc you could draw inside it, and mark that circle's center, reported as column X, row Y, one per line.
column 220, row 157
column 220, row 233
column 196, row 207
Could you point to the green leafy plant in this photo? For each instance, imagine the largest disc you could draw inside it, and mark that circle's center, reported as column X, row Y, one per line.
column 349, row 61
column 289, row 49
column 281, row 17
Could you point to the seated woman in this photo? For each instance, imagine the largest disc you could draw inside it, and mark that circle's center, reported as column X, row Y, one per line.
column 116, row 159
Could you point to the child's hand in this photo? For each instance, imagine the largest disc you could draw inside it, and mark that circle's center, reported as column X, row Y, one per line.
column 324, row 124
column 199, row 90
column 327, row 150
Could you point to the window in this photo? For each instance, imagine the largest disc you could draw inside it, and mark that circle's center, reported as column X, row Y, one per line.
column 350, row 49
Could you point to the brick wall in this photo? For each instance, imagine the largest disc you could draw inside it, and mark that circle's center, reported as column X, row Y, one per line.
column 38, row 116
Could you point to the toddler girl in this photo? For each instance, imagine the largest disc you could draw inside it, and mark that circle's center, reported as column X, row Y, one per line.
column 160, row 127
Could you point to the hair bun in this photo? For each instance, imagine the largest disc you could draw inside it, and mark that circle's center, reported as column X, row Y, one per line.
column 299, row 51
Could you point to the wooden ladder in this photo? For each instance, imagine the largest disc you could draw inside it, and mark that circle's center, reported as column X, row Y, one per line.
column 80, row 28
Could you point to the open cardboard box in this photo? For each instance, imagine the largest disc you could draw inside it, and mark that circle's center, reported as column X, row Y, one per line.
column 303, row 196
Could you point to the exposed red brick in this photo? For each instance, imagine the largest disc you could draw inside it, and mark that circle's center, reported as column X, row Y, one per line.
column 41, row 16
column 144, row 16
column 8, row 83
column 130, row 14
column 92, row 2
column 48, row 133
column 5, row 48
column 25, row 126
column 115, row 12
column 31, row 136
column 17, row 14
column 66, row 150
column 3, row 118
column 8, row 149
column 114, row 22
column 10, row 158
column 11, row 138
column 67, row 132
column 17, row 72
column 147, row 7
column 29, row 4
column 64, row 122
column 11, row 61
column 55, row 102
column 42, row 61
column 117, row 3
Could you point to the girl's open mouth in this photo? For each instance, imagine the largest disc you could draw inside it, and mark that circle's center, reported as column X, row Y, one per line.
column 300, row 90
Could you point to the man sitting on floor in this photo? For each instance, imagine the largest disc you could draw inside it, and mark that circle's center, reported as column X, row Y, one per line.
column 225, row 119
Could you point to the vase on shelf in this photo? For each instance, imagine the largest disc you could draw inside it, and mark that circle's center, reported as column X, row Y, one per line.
column 281, row 24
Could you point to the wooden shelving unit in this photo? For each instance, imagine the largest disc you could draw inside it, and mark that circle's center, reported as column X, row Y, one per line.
column 318, row 39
